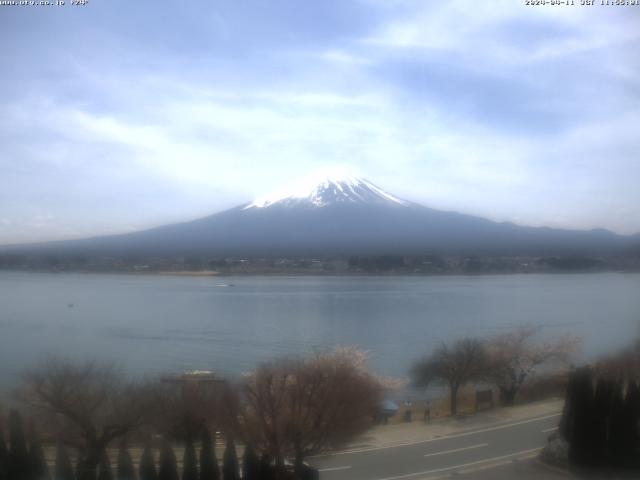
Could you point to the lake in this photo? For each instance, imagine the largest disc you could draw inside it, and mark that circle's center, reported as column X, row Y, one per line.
column 153, row 324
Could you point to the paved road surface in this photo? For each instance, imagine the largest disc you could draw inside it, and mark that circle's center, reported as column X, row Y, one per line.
column 498, row 451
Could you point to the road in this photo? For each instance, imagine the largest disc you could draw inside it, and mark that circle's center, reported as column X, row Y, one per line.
column 502, row 448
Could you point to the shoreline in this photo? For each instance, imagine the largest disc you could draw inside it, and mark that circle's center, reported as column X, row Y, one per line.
column 214, row 273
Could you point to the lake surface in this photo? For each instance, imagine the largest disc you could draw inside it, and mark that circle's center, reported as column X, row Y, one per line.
column 154, row 324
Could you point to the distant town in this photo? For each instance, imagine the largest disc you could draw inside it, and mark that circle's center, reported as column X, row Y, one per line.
column 352, row 265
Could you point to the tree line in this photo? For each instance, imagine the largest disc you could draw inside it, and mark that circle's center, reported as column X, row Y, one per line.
column 600, row 421
column 601, row 418
column 505, row 361
column 281, row 413
column 25, row 460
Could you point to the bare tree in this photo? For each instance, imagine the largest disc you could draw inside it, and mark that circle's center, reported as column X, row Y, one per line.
column 87, row 405
column 298, row 407
column 263, row 415
column 454, row 366
column 514, row 356
column 186, row 408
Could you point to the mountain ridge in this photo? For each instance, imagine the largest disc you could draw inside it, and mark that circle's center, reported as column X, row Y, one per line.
column 342, row 216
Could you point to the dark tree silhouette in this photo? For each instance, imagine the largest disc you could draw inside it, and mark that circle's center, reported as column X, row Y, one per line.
column 38, row 468
column 602, row 402
column 578, row 427
column 148, row 465
column 455, row 366
column 618, row 427
column 250, row 464
column 189, row 462
column 126, row 470
column 83, row 472
column 104, row 470
column 18, row 461
column 631, row 426
column 63, row 469
column 632, row 406
column 4, row 455
column 168, row 465
column 230, row 469
column 265, row 468
column 601, row 426
column 209, row 469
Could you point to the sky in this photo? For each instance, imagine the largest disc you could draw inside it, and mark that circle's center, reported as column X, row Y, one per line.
column 120, row 115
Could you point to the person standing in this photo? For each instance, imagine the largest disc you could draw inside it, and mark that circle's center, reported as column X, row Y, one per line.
column 407, row 413
column 427, row 411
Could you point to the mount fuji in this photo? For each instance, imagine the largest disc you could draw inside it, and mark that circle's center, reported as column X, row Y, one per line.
column 339, row 216
column 330, row 190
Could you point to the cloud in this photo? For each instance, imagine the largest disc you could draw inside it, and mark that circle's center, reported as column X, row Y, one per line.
column 497, row 110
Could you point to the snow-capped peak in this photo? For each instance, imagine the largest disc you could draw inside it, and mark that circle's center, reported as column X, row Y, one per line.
column 328, row 190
